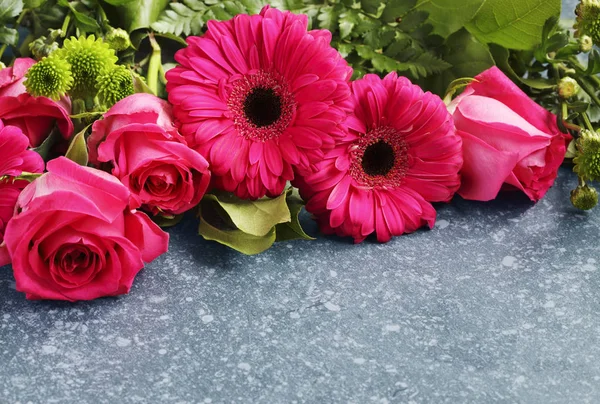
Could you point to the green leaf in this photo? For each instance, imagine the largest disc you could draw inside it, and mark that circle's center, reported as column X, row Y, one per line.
column 181, row 18
column 45, row 149
column 9, row 9
column 328, row 18
column 412, row 20
column 138, row 14
column 347, row 21
column 292, row 230
column 467, row 56
column 448, row 16
column 216, row 226
column 29, row 4
column 395, row 9
column 370, row 6
column 118, row 2
column 501, row 56
column 77, row 150
column 9, row 36
column 514, row 24
column 253, row 217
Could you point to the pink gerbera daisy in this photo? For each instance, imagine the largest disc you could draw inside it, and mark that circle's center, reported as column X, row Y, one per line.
column 400, row 153
column 258, row 95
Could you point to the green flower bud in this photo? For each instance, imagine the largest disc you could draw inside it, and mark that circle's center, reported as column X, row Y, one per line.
column 587, row 161
column 89, row 58
column 118, row 39
column 50, row 77
column 2, row 66
column 585, row 43
column 40, row 48
column 567, row 87
column 584, row 197
column 587, row 21
column 115, row 85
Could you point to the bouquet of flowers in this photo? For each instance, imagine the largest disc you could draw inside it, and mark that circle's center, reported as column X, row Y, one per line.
column 115, row 123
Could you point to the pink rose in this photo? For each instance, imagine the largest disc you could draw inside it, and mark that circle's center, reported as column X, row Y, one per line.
column 149, row 156
column 509, row 141
column 35, row 116
column 73, row 236
column 14, row 159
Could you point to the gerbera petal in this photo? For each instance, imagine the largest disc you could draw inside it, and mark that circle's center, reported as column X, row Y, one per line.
column 265, row 79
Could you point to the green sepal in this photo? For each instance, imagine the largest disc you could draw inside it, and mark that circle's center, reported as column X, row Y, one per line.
column 77, row 150
column 167, row 220
column 455, row 86
column 24, row 176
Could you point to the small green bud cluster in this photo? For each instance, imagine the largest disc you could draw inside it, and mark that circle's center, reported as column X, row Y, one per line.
column 584, row 197
column 568, row 87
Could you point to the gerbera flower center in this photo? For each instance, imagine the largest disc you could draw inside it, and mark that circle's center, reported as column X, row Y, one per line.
column 262, row 105
column 380, row 158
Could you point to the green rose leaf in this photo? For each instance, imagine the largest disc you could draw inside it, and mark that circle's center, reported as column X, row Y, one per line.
column 292, row 230
column 449, row 16
column 9, row 36
column 253, row 217
column 77, row 150
column 215, row 225
column 10, row 9
column 513, row 24
column 467, row 56
column 138, row 14
column 501, row 56
column 33, row 3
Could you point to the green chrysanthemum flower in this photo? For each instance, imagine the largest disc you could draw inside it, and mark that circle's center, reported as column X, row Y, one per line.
column 50, row 77
column 584, row 197
column 118, row 39
column 588, row 20
column 89, row 58
column 115, row 85
column 40, row 48
column 587, row 161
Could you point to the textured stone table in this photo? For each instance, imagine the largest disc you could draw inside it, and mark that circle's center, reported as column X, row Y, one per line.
column 498, row 304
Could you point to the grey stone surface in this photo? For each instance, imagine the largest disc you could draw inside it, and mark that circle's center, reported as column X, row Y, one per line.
column 498, row 304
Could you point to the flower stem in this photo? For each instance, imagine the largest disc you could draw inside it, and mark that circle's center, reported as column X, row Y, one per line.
column 65, row 26
column 154, row 65
column 589, row 90
column 586, row 120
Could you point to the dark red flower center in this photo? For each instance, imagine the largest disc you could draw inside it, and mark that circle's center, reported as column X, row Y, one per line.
column 262, row 105
column 380, row 158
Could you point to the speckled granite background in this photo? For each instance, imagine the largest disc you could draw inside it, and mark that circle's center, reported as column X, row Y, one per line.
column 498, row 304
